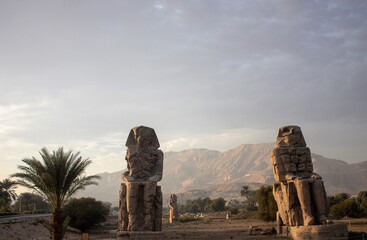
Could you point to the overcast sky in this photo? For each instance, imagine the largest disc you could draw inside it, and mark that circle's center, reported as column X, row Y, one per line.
column 204, row 74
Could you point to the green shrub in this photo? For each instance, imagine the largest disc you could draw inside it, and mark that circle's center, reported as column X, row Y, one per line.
column 362, row 202
column 203, row 205
column 346, row 208
column 233, row 210
column 267, row 208
column 85, row 212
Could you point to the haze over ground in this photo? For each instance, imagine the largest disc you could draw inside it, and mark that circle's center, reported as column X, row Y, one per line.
column 203, row 74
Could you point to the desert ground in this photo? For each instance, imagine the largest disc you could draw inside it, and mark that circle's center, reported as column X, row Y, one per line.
column 210, row 227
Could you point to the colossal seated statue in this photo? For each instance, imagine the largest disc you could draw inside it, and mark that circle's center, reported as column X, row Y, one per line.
column 298, row 191
column 140, row 207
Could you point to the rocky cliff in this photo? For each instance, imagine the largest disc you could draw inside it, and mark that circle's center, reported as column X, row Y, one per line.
column 203, row 172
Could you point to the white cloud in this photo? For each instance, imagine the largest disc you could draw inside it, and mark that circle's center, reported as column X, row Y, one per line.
column 159, row 6
column 204, row 74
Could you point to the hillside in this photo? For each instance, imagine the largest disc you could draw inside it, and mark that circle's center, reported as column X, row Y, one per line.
column 203, row 172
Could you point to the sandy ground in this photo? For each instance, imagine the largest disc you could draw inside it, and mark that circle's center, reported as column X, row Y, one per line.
column 29, row 229
column 214, row 228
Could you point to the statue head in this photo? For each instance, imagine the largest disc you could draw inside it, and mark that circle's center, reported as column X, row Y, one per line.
column 142, row 137
column 290, row 136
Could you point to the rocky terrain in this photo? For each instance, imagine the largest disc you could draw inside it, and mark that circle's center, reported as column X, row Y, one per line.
column 201, row 172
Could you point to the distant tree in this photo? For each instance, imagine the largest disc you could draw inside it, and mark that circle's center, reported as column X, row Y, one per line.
column 57, row 177
column 362, row 202
column 267, row 208
column 234, row 203
column 233, row 206
column 250, row 198
column 205, row 205
column 251, row 202
column 108, row 206
column 217, row 205
column 200, row 205
column 7, row 194
column 31, row 203
column 348, row 207
column 245, row 191
column 196, row 205
column 85, row 212
column 340, row 197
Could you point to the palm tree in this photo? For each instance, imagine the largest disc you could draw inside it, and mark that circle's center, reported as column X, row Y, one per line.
column 7, row 193
column 57, row 177
column 245, row 191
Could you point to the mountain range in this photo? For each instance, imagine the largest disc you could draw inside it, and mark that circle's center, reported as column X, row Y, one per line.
column 196, row 173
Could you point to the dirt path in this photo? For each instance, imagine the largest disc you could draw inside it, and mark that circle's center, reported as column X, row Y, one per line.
column 216, row 229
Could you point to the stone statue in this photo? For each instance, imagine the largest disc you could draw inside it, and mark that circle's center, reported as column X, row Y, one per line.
column 140, row 207
column 173, row 211
column 298, row 191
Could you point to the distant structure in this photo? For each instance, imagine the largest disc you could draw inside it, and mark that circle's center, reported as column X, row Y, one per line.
column 299, row 192
column 173, row 211
column 140, row 204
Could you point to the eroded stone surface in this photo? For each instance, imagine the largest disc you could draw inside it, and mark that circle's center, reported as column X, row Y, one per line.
column 299, row 192
column 320, row 232
column 140, row 204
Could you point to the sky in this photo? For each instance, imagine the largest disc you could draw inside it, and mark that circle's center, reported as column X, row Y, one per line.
column 204, row 74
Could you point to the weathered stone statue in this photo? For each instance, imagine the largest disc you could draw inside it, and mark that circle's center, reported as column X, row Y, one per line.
column 299, row 192
column 173, row 211
column 140, row 207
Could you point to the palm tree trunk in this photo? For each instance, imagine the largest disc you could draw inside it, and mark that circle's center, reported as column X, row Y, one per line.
column 57, row 225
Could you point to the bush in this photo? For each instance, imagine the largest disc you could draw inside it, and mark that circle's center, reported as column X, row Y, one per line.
column 217, row 205
column 267, row 208
column 203, row 205
column 85, row 212
column 342, row 205
column 340, row 197
column 346, row 208
column 233, row 210
column 30, row 203
column 362, row 202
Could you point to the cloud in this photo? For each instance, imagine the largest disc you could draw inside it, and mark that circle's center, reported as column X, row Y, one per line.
column 75, row 74
column 18, row 117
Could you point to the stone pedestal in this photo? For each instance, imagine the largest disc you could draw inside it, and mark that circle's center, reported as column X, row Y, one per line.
column 282, row 231
column 319, row 232
column 139, row 235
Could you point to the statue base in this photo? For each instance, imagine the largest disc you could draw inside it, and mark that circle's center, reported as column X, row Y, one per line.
column 320, row 232
column 282, row 231
column 139, row 235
